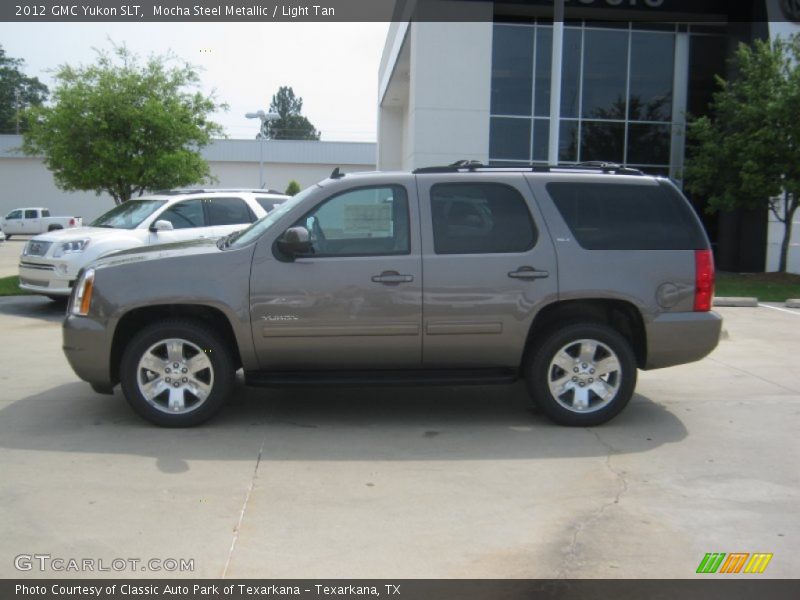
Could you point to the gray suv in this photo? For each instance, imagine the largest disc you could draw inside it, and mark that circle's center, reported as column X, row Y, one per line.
column 570, row 278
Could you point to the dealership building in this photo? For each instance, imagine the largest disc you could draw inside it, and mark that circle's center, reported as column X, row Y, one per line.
column 631, row 73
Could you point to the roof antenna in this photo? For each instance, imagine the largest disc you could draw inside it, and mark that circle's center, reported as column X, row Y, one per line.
column 337, row 174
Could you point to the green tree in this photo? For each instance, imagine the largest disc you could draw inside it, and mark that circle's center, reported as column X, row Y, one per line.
column 124, row 126
column 292, row 188
column 291, row 125
column 747, row 154
column 17, row 92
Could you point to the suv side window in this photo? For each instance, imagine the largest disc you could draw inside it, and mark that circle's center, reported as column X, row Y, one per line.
column 185, row 215
column 368, row 221
column 618, row 216
column 480, row 218
column 30, row 214
column 228, row 211
column 14, row 214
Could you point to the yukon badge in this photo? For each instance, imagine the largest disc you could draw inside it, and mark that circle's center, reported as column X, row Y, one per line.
column 273, row 318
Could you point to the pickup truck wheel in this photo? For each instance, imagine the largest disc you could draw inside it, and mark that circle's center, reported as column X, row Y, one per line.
column 176, row 373
column 582, row 375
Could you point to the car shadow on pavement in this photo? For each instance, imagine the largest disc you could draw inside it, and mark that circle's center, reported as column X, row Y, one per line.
column 336, row 424
column 34, row 307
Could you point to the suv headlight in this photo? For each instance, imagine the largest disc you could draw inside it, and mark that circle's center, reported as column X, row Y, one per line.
column 82, row 295
column 71, row 247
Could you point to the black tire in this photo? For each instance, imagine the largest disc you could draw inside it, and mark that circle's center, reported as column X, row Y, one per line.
column 54, row 228
column 197, row 336
column 8, row 236
column 541, row 368
column 59, row 299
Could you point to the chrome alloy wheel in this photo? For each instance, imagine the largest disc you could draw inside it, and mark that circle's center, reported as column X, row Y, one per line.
column 175, row 376
column 584, row 376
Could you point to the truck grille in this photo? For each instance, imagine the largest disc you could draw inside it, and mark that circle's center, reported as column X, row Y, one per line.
column 35, row 248
column 37, row 266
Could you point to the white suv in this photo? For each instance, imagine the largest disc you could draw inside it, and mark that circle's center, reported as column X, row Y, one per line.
column 50, row 262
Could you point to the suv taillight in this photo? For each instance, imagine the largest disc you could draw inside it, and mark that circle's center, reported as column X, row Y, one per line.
column 703, row 280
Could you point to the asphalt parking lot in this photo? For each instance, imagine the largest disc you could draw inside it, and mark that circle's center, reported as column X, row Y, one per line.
column 436, row 482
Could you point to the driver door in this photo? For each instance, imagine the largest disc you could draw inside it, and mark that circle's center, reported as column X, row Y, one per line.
column 356, row 302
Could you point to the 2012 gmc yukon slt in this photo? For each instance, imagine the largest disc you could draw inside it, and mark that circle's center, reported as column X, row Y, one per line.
column 571, row 278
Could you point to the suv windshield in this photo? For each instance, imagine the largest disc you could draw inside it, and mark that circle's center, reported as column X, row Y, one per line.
column 252, row 233
column 127, row 215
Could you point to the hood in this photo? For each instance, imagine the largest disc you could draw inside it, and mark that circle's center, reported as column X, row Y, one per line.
column 81, row 233
column 157, row 252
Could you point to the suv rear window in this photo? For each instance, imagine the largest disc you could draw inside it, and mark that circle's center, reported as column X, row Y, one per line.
column 617, row 216
column 480, row 218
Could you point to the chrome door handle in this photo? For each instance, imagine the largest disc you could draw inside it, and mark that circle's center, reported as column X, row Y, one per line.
column 528, row 273
column 392, row 277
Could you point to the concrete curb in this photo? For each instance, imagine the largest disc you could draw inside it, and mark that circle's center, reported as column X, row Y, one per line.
column 741, row 302
column 793, row 303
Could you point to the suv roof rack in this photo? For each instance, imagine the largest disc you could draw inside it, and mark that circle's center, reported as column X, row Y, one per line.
column 177, row 192
column 475, row 165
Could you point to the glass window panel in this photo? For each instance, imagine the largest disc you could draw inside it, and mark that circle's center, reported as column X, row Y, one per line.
column 629, row 216
column 571, row 74
column 649, row 144
column 605, row 66
column 568, row 141
column 541, row 139
column 360, row 222
column 185, row 215
column 706, row 59
column 602, row 141
column 480, row 218
column 544, row 59
column 228, row 211
column 512, row 70
column 652, row 71
column 510, row 139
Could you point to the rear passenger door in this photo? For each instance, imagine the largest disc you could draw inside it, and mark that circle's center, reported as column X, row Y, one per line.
column 488, row 265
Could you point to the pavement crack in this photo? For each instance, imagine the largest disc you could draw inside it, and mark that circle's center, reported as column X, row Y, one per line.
column 242, row 512
column 571, row 554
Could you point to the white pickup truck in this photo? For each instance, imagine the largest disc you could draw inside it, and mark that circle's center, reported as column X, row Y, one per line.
column 33, row 221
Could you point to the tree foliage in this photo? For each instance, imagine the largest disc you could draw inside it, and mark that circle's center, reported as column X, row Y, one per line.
column 124, row 126
column 293, row 188
column 747, row 154
column 17, row 92
column 291, row 125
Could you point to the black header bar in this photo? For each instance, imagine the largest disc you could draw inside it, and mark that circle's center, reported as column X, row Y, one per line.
column 388, row 10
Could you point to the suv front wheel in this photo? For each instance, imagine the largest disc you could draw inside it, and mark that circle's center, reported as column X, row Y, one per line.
column 176, row 373
column 582, row 375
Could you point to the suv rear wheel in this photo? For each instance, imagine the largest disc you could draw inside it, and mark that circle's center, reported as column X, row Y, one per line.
column 176, row 373
column 582, row 375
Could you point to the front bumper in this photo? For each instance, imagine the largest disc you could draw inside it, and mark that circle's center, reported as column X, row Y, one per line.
column 679, row 338
column 87, row 346
column 51, row 278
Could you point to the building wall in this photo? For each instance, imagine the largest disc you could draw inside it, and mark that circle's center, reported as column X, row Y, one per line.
column 25, row 181
column 435, row 92
column 780, row 27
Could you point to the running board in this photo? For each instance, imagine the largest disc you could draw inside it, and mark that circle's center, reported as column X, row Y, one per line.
column 395, row 377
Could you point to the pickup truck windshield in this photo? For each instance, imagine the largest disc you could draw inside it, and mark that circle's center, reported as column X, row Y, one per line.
column 127, row 215
column 255, row 230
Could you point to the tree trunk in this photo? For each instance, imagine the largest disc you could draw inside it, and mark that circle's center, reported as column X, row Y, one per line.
column 790, row 203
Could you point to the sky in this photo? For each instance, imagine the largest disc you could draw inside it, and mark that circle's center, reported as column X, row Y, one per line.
column 332, row 66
